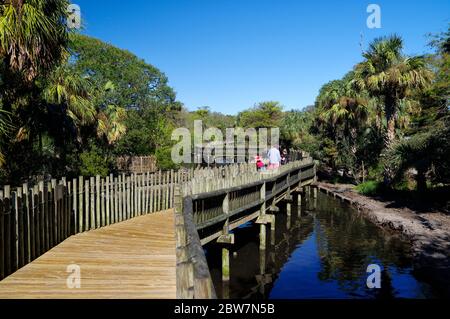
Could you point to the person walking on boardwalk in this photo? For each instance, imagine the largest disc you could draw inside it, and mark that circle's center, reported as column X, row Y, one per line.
column 260, row 164
column 274, row 157
column 284, row 157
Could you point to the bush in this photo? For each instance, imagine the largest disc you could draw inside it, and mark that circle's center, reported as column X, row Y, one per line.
column 95, row 162
column 369, row 188
column 164, row 158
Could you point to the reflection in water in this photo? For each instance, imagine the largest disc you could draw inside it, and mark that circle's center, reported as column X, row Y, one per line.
column 321, row 253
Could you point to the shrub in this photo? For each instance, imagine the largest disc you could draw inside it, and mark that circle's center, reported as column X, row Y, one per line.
column 95, row 162
column 369, row 188
column 164, row 158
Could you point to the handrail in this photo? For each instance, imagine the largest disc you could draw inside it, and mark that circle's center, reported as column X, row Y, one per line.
column 193, row 276
column 271, row 178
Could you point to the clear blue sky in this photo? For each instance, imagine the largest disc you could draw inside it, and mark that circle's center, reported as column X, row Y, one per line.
column 231, row 54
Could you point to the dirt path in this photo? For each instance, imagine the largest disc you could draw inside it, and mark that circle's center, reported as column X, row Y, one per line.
column 428, row 231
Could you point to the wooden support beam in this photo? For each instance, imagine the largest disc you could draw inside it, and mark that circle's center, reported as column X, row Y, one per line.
column 266, row 219
column 227, row 239
column 225, row 264
column 274, row 209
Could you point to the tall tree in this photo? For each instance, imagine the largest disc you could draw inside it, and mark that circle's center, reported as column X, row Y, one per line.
column 341, row 106
column 389, row 74
column 33, row 37
column 264, row 115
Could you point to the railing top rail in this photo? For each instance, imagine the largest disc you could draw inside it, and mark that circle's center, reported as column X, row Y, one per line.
column 205, row 187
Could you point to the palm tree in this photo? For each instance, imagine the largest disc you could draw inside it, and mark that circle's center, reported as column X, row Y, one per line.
column 5, row 128
column 33, row 35
column 110, row 118
column 388, row 74
column 33, row 40
column 344, row 109
column 71, row 91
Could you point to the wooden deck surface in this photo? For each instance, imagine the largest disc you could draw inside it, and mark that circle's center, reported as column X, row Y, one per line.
column 132, row 259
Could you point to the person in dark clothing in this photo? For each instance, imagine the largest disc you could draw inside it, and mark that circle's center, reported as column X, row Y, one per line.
column 284, row 157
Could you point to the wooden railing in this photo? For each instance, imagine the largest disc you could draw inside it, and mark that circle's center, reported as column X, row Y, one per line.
column 208, row 201
column 193, row 277
column 241, row 190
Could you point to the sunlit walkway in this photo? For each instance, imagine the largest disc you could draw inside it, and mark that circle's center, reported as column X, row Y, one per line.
column 132, row 259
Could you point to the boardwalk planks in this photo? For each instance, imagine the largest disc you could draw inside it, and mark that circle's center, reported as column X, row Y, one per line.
column 136, row 260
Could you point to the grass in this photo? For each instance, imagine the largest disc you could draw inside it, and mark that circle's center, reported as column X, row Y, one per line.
column 369, row 188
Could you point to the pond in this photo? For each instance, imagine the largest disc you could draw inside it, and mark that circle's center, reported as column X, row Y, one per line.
column 321, row 251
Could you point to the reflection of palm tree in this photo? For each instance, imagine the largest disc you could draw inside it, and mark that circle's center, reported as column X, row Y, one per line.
column 387, row 290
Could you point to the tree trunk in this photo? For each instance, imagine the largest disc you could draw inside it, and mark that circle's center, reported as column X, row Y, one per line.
column 389, row 139
column 390, row 133
column 421, row 180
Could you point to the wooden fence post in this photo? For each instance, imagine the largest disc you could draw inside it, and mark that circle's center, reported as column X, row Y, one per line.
column 28, row 224
column 98, row 221
column 2, row 237
column 81, row 219
column 92, row 204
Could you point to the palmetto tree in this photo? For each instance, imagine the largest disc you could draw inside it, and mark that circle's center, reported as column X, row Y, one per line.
column 73, row 93
column 5, row 127
column 386, row 73
column 110, row 118
column 33, row 35
column 111, row 123
column 344, row 109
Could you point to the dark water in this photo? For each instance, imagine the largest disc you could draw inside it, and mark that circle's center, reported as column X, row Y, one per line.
column 323, row 253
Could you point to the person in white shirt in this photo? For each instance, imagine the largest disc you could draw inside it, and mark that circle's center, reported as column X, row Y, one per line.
column 274, row 157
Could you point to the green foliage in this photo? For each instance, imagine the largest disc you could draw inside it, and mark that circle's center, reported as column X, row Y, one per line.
column 388, row 115
column 164, row 158
column 70, row 103
column 136, row 83
column 263, row 115
column 369, row 188
column 296, row 130
column 427, row 151
column 95, row 162
column 393, row 78
column 98, row 95
column 33, row 37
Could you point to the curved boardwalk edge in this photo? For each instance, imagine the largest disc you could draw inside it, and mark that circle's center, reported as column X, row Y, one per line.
column 226, row 203
column 193, row 276
column 132, row 259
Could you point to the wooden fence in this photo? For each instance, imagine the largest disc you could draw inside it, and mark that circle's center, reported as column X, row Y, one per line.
column 35, row 218
column 137, row 164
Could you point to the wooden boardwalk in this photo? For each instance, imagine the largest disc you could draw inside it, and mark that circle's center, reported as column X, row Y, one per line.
column 132, row 259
